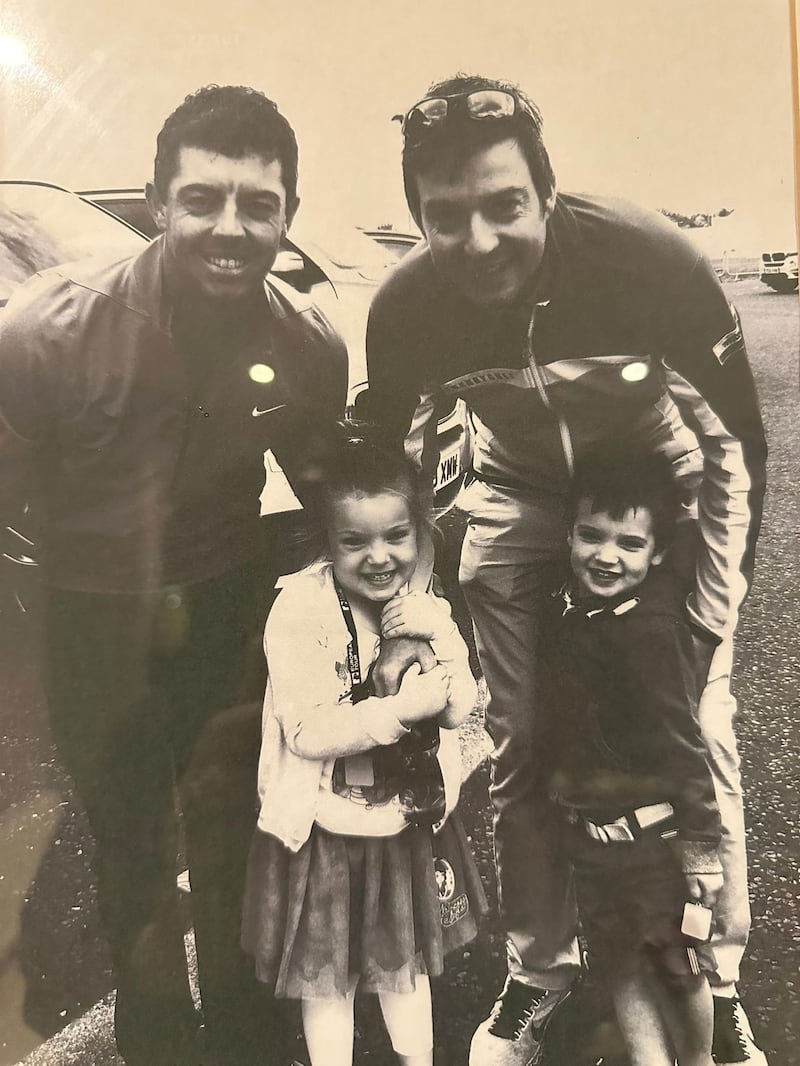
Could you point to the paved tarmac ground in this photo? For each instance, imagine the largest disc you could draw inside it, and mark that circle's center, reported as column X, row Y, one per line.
column 55, row 981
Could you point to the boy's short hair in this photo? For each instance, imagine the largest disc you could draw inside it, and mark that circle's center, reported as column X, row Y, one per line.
column 621, row 476
column 234, row 120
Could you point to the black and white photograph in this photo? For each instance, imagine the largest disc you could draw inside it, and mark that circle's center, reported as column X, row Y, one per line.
column 399, row 533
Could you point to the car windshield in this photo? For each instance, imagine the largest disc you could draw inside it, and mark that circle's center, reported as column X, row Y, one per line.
column 42, row 226
column 345, row 246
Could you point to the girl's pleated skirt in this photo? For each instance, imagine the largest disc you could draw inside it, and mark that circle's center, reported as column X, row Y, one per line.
column 382, row 908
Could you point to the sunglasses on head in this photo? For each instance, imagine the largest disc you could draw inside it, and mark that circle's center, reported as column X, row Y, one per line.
column 479, row 105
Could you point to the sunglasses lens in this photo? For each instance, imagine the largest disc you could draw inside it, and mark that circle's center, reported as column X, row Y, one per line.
column 491, row 103
column 478, row 105
column 430, row 111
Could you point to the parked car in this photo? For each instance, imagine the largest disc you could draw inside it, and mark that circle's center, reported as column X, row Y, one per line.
column 41, row 226
column 394, row 241
column 127, row 204
column 339, row 267
column 779, row 270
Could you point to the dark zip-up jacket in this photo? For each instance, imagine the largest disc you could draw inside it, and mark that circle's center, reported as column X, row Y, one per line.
column 619, row 726
column 143, row 470
column 631, row 333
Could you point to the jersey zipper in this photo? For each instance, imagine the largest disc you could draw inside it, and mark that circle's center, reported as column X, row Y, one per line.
column 536, row 381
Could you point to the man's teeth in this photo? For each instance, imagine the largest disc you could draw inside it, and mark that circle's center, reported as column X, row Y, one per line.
column 226, row 264
column 379, row 579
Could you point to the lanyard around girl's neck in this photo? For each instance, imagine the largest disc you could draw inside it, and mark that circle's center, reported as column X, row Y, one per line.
column 353, row 662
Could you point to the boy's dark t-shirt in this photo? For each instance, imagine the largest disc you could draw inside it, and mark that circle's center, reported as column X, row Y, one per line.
column 619, row 723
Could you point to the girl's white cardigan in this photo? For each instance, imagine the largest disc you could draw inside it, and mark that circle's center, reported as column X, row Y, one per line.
column 308, row 718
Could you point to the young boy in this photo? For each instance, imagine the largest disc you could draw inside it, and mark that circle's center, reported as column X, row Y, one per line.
column 628, row 765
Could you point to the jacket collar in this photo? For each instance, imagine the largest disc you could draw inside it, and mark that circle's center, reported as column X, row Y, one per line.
column 618, row 606
column 147, row 277
column 561, row 241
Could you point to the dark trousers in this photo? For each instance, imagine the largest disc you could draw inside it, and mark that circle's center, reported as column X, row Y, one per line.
column 155, row 702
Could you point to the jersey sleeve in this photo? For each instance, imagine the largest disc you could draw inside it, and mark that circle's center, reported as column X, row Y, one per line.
column 710, row 381
column 400, row 398
column 451, row 652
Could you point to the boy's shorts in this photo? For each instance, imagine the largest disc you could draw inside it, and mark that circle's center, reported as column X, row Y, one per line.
column 630, row 898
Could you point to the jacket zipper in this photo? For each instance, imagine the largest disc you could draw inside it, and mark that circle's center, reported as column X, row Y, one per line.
column 537, row 382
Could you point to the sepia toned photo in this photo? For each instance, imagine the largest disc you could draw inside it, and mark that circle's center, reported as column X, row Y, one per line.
column 399, row 533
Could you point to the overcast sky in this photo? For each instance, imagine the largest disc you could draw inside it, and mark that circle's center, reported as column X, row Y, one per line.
column 684, row 104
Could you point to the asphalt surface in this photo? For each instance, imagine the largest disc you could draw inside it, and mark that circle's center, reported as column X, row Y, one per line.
column 55, row 979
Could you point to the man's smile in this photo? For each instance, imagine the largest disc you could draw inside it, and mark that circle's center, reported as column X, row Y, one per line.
column 227, row 264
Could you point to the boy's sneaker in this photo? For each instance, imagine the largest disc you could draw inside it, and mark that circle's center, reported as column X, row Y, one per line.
column 513, row 1034
column 733, row 1037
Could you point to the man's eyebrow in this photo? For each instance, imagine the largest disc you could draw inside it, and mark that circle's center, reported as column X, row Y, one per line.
column 196, row 186
column 509, row 190
column 261, row 194
column 437, row 204
column 446, row 203
column 202, row 187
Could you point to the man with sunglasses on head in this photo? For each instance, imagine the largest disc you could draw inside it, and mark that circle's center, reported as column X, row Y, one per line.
column 564, row 321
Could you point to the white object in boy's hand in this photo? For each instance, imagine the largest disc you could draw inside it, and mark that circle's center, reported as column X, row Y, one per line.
column 696, row 921
column 703, row 888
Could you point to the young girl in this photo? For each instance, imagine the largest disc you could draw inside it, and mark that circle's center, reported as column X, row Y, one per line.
column 341, row 890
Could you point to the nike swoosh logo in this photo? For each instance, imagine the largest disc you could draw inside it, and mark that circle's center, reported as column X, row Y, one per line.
column 266, row 411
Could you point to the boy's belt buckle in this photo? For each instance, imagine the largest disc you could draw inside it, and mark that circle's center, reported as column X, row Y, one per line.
column 622, row 831
column 618, row 831
column 653, row 814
